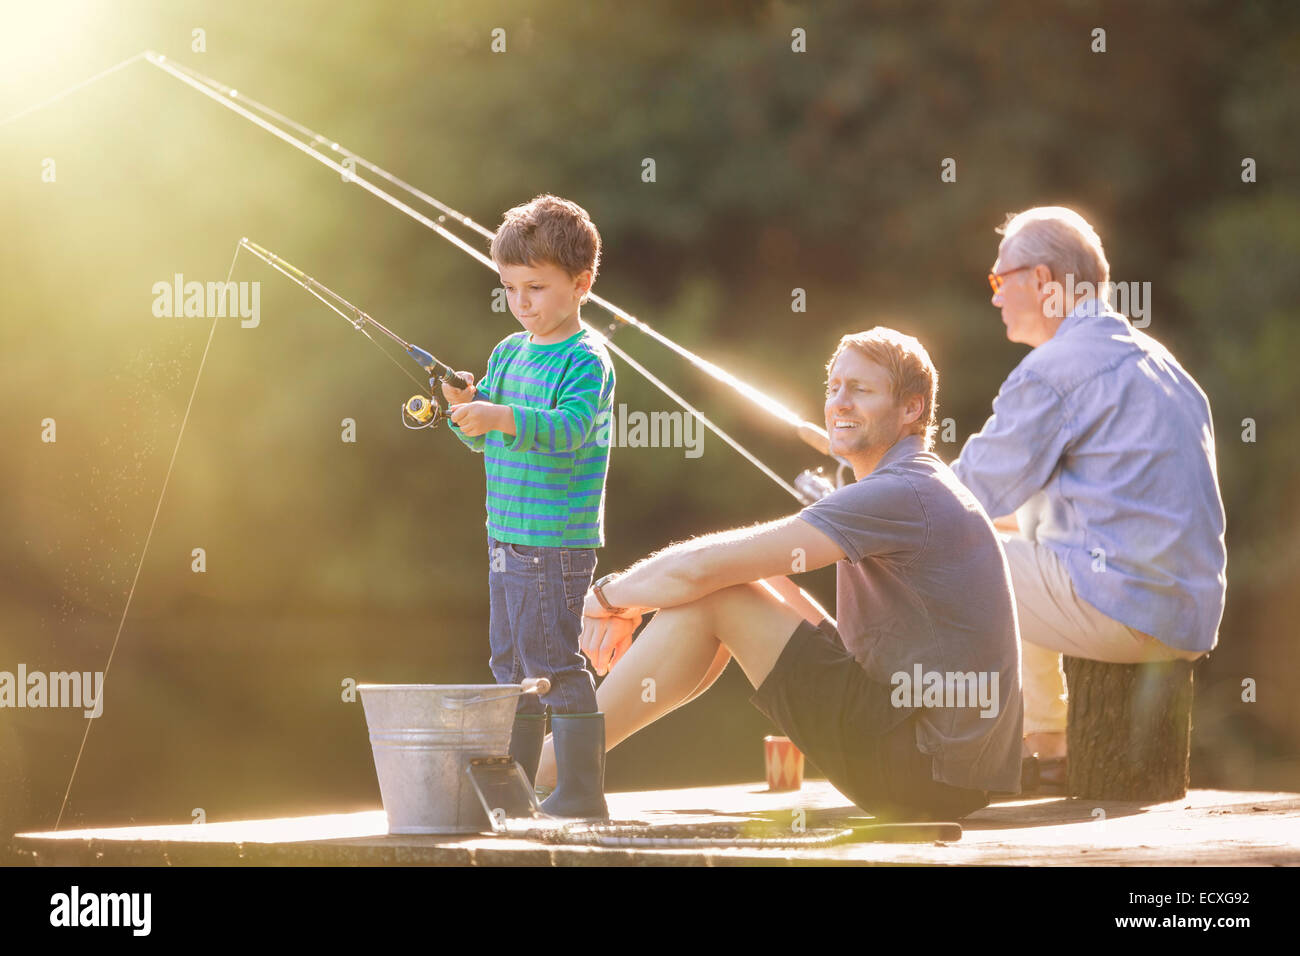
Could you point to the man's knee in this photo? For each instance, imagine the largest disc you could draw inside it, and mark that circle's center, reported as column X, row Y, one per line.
column 745, row 617
column 699, row 610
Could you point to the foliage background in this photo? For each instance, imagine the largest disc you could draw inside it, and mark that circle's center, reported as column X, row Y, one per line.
column 775, row 170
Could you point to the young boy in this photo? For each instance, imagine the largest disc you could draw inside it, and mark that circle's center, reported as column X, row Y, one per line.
column 546, row 394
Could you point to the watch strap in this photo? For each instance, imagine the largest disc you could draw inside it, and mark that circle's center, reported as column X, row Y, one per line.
column 598, row 589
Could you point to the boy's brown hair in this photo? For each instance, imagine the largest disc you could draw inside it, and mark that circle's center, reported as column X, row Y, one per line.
column 910, row 371
column 548, row 229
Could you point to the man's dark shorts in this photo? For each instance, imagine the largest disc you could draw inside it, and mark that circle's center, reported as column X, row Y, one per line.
column 843, row 721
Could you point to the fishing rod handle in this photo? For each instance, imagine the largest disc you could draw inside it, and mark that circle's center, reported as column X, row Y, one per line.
column 436, row 368
column 451, row 379
column 454, row 380
column 815, row 436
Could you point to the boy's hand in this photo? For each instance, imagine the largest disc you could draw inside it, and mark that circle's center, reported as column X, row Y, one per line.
column 459, row 396
column 479, row 418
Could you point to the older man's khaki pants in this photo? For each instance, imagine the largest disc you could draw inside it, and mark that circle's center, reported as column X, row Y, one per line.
column 1055, row 620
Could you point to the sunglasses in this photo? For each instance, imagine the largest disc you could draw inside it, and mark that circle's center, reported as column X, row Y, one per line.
column 995, row 278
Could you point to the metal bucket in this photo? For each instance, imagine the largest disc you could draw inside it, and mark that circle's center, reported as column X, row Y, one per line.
column 423, row 737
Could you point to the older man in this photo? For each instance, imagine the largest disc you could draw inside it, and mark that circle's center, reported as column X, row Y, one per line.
column 1103, row 448
column 912, row 707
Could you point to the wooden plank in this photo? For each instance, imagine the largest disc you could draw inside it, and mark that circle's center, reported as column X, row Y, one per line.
column 1207, row 827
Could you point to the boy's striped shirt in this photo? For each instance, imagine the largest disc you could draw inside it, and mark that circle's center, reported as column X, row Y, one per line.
column 546, row 483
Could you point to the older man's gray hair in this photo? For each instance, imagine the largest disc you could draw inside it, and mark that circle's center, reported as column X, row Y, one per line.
column 1060, row 239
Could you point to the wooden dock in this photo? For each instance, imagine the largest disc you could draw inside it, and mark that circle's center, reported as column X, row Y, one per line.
column 1207, row 827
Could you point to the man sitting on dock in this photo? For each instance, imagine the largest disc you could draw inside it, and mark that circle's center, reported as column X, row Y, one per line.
column 924, row 597
column 1099, row 462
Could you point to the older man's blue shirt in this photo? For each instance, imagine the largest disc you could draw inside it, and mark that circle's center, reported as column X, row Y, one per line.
column 1103, row 446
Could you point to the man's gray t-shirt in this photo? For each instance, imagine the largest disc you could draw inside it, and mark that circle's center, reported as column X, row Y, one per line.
column 924, row 603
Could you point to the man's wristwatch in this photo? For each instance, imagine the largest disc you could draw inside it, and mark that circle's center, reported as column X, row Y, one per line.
column 600, row 596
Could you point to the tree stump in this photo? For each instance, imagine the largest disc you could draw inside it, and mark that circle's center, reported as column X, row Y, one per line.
column 1129, row 729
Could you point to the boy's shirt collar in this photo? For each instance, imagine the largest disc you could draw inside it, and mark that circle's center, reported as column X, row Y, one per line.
column 553, row 346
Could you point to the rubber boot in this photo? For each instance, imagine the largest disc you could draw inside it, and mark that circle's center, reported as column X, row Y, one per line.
column 580, row 767
column 526, row 742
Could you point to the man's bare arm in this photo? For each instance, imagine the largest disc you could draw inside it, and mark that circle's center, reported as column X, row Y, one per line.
column 691, row 569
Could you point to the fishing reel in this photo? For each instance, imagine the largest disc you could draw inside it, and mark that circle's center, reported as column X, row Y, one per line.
column 420, row 411
column 814, row 484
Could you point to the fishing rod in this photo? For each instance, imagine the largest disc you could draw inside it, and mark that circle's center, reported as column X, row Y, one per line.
column 227, row 96
column 424, row 412
column 809, row 486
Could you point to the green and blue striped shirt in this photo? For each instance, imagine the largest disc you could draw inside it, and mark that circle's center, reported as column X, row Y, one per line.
column 546, row 483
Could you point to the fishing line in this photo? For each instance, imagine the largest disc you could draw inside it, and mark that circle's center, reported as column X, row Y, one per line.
column 312, row 287
column 145, row 550
column 419, row 411
column 48, row 101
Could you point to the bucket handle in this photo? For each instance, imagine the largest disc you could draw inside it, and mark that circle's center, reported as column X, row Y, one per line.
column 531, row 685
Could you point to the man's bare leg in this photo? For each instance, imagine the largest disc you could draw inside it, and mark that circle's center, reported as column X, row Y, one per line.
column 677, row 653
column 789, row 592
column 683, row 650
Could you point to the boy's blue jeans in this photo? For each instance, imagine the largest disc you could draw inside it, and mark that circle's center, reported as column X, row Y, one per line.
column 535, row 596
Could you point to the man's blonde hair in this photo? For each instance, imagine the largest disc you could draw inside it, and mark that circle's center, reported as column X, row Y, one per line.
column 548, row 229
column 909, row 368
column 1059, row 238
